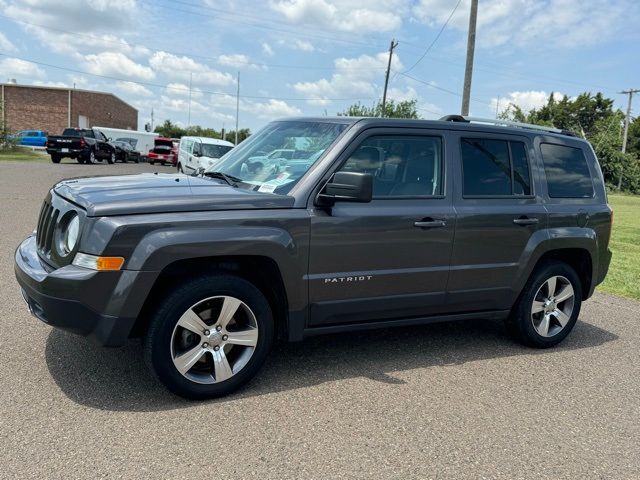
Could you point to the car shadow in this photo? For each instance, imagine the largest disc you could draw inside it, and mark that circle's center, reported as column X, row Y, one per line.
column 118, row 380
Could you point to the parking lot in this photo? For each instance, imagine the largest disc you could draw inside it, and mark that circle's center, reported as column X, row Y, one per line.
column 455, row 400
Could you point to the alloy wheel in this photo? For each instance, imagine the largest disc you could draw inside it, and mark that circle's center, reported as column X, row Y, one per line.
column 214, row 339
column 552, row 306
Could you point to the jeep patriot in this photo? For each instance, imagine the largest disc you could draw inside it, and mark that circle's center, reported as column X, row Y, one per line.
column 368, row 223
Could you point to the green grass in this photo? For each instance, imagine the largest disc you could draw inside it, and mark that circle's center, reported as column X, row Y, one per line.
column 624, row 273
column 22, row 154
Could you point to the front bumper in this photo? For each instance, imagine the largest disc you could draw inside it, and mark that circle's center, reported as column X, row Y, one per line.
column 82, row 301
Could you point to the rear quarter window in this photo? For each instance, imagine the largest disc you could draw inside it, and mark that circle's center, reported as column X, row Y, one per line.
column 567, row 171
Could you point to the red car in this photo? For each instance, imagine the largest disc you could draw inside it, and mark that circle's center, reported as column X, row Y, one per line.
column 165, row 150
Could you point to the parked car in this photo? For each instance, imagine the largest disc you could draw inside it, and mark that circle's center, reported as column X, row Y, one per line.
column 164, row 151
column 390, row 222
column 125, row 152
column 140, row 140
column 200, row 152
column 32, row 138
column 86, row 145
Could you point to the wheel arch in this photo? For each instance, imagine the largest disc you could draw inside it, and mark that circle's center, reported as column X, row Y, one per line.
column 262, row 271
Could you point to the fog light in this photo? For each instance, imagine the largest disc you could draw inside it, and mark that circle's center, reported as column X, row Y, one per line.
column 95, row 262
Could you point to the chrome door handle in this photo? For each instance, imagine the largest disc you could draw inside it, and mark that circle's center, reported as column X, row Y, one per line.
column 430, row 224
column 525, row 221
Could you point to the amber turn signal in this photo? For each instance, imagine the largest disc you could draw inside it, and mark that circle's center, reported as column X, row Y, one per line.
column 95, row 262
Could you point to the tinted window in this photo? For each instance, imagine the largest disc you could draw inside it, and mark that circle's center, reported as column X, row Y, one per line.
column 567, row 171
column 486, row 167
column 401, row 166
column 521, row 177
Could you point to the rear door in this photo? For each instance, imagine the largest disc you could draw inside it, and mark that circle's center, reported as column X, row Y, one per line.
column 498, row 211
column 387, row 259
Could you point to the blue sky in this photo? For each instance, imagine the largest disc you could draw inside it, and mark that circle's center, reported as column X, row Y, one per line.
column 315, row 57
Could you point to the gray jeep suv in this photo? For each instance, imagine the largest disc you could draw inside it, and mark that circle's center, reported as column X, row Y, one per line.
column 371, row 222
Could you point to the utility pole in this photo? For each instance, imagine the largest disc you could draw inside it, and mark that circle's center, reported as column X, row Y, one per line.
column 237, row 107
column 471, row 46
column 190, row 82
column 393, row 45
column 152, row 119
column 627, row 117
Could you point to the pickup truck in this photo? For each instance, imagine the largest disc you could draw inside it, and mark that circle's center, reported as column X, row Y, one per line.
column 86, row 145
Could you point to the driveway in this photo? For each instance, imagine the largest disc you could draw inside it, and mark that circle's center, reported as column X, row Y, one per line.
column 455, row 400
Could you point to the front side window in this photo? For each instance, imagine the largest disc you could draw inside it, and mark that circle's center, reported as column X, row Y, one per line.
column 567, row 171
column 401, row 166
column 494, row 168
column 252, row 164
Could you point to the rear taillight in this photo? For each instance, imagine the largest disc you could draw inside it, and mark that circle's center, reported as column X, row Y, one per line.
column 82, row 143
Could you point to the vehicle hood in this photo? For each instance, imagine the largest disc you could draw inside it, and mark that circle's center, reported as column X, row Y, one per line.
column 159, row 193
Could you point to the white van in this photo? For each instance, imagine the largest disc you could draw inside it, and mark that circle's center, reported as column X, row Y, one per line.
column 140, row 141
column 195, row 152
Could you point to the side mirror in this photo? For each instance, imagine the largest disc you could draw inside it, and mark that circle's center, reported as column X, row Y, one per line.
column 348, row 187
column 196, row 153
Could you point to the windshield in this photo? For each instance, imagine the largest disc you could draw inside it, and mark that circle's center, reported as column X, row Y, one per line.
column 214, row 151
column 275, row 158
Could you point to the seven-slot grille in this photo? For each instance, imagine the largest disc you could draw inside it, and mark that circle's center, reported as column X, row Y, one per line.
column 46, row 227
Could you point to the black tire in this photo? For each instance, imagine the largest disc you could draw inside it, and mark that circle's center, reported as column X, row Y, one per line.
column 79, row 159
column 520, row 322
column 159, row 336
column 151, row 162
column 111, row 159
column 136, row 159
column 180, row 170
column 55, row 158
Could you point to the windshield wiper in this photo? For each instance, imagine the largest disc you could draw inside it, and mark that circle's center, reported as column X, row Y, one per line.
column 230, row 179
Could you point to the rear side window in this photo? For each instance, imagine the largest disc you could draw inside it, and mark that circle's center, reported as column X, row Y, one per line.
column 494, row 168
column 567, row 171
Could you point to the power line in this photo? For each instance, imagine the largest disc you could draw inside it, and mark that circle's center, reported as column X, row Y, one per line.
column 437, row 87
column 433, row 42
column 157, row 85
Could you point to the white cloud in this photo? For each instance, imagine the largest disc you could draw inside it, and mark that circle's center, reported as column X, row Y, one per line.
column 181, row 68
column 236, row 60
column 267, row 50
column 526, row 100
column 20, row 70
column 303, row 45
column 118, row 65
column 182, row 90
column 6, row 45
column 547, row 23
column 352, row 77
column 134, row 89
column 274, row 109
column 344, row 15
column 182, row 107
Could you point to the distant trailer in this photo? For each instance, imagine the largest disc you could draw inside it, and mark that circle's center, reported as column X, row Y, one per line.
column 144, row 141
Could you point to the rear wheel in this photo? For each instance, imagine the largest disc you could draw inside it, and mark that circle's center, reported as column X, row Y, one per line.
column 111, row 159
column 151, row 162
column 210, row 336
column 55, row 158
column 548, row 307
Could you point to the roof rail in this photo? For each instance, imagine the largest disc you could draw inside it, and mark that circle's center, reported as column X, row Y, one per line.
column 505, row 123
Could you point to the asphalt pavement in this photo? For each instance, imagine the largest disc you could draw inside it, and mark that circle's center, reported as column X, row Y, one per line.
column 447, row 401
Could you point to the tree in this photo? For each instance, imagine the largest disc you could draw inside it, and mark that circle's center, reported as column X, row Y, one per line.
column 591, row 117
column 170, row 130
column 6, row 141
column 404, row 109
column 243, row 134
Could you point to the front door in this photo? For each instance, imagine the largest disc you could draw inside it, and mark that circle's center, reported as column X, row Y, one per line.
column 388, row 259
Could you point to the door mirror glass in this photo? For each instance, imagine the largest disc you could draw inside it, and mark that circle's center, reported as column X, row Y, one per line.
column 348, row 187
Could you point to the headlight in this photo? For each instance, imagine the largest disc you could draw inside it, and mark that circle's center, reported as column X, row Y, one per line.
column 70, row 236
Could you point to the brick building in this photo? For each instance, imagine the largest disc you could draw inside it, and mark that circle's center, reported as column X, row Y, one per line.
column 29, row 107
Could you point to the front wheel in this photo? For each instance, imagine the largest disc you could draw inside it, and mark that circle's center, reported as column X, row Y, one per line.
column 210, row 336
column 111, row 159
column 548, row 307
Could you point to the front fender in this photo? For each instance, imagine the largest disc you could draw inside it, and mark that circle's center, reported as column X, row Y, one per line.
column 159, row 248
